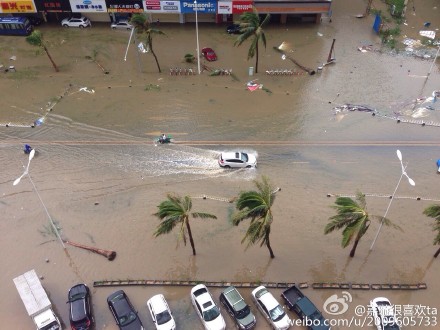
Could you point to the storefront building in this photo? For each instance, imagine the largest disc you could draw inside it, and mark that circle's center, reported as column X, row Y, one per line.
column 172, row 11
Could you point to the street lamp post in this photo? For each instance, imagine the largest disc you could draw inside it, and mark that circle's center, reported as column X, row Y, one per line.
column 17, row 181
column 197, row 36
column 411, row 182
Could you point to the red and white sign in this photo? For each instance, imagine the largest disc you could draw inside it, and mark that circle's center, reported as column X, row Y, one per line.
column 156, row 6
column 239, row 7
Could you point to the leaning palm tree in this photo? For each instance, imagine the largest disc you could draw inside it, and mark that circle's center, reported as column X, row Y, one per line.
column 36, row 39
column 252, row 28
column 256, row 206
column 176, row 211
column 352, row 216
column 144, row 27
column 433, row 211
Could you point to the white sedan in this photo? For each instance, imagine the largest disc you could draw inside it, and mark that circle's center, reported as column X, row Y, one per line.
column 237, row 159
column 207, row 310
column 383, row 313
column 271, row 309
column 80, row 22
column 161, row 313
column 122, row 24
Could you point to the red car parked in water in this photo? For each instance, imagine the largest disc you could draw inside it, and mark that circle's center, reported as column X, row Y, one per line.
column 209, row 54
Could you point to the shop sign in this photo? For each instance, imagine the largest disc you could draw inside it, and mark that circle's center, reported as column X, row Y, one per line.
column 88, row 6
column 124, row 6
column 239, row 7
column 224, row 7
column 17, row 6
column 203, row 7
column 54, row 6
column 157, row 6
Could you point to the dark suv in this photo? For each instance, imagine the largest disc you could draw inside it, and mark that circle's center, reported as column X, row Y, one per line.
column 237, row 307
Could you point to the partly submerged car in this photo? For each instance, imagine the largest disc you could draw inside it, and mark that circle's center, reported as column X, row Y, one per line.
column 271, row 309
column 161, row 313
column 121, row 25
column 80, row 22
column 237, row 159
column 233, row 29
column 383, row 314
column 237, row 308
column 209, row 54
column 125, row 315
column 208, row 311
column 80, row 311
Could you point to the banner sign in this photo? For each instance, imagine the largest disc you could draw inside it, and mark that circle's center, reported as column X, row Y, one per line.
column 124, row 6
column 203, row 7
column 88, row 6
column 17, row 6
column 224, row 7
column 54, row 6
column 234, row 7
column 156, row 6
column 240, row 7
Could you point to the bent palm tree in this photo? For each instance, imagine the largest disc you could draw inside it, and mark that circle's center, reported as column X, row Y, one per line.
column 143, row 26
column 36, row 39
column 353, row 217
column 176, row 211
column 251, row 28
column 256, row 206
column 433, row 211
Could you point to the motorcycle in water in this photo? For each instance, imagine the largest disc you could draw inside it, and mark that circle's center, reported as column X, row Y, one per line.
column 163, row 139
column 27, row 149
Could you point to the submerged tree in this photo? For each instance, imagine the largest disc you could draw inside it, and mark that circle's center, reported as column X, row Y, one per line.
column 433, row 211
column 353, row 218
column 174, row 211
column 251, row 28
column 36, row 39
column 144, row 27
column 256, row 206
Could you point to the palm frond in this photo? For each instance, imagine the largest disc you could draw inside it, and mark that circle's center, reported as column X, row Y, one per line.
column 165, row 227
column 436, row 227
column 433, row 211
column 35, row 38
column 203, row 215
column 387, row 222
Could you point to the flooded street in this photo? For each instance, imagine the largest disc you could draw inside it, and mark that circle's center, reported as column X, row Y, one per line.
column 101, row 177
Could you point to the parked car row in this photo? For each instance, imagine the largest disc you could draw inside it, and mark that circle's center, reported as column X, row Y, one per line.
column 126, row 316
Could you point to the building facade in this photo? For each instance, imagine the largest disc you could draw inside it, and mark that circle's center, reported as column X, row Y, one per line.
column 178, row 11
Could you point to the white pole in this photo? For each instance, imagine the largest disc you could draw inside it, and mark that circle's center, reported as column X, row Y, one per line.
column 47, row 212
column 129, row 40
column 411, row 182
column 433, row 62
column 197, row 36
column 17, row 181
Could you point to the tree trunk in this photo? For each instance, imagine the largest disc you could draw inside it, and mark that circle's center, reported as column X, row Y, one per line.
column 269, row 247
column 190, row 237
column 353, row 250
column 155, row 57
column 50, row 58
column 437, row 253
column 256, row 61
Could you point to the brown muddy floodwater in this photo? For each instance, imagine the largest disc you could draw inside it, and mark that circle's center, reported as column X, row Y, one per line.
column 101, row 178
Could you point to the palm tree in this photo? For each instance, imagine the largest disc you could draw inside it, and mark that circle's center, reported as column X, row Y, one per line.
column 36, row 39
column 144, row 27
column 256, row 206
column 251, row 28
column 433, row 211
column 176, row 210
column 352, row 215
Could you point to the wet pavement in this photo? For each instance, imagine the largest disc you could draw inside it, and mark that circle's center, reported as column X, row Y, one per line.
column 101, row 177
